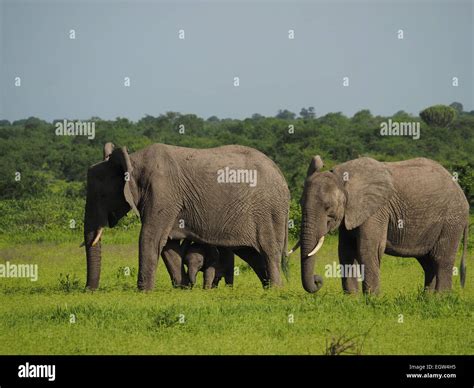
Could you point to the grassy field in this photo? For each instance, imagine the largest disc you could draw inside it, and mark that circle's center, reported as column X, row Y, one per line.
column 35, row 317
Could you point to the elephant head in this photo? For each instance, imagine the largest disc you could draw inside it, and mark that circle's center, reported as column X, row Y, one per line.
column 194, row 262
column 109, row 197
column 350, row 193
column 205, row 258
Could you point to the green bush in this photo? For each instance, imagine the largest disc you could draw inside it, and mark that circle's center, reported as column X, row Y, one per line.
column 438, row 115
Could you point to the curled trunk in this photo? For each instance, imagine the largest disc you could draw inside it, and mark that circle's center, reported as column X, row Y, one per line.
column 311, row 283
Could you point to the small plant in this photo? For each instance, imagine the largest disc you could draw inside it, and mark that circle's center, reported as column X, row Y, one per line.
column 59, row 314
column 166, row 318
column 125, row 272
column 343, row 344
column 68, row 283
column 340, row 345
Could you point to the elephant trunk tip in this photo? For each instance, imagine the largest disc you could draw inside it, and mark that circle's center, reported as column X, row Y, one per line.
column 191, row 281
column 315, row 286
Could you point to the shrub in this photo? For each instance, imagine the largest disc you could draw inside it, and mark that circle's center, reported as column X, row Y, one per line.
column 438, row 115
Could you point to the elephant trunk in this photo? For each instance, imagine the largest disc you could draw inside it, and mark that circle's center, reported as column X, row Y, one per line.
column 192, row 273
column 311, row 242
column 93, row 261
column 92, row 236
column 311, row 283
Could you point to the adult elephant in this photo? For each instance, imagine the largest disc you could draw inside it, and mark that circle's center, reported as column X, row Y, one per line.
column 230, row 196
column 412, row 208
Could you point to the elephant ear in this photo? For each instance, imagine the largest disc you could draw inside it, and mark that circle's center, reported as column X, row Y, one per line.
column 316, row 165
column 108, row 149
column 369, row 186
column 121, row 158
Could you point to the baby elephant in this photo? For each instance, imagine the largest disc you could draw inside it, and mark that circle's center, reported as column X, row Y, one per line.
column 214, row 262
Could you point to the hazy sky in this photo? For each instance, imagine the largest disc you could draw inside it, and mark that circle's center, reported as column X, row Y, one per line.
column 80, row 78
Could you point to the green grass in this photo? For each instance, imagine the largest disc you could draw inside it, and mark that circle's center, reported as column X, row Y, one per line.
column 35, row 316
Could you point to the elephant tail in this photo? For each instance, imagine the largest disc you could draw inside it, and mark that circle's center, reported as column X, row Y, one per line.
column 284, row 255
column 463, row 257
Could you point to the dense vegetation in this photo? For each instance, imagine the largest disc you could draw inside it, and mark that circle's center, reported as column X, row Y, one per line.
column 53, row 168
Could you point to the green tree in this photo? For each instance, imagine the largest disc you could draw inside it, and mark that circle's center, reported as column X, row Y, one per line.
column 465, row 176
column 308, row 114
column 285, row 114
column 257, row 116
column 457, row 106
column 438, row 115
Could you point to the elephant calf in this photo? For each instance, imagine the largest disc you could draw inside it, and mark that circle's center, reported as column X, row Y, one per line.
column 214, row 262
column 412, row 208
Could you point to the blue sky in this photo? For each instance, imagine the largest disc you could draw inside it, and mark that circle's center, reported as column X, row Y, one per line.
column 84, row 77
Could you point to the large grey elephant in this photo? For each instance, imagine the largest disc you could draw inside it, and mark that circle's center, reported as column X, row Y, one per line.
column 215, row 263
column 412, row 208
column 230, row 196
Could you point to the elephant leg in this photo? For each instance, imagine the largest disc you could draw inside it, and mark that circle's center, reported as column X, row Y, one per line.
column 148, row 257
column 153, row 238
column 217, row 279
column 272, row 257
column 347, row 250
column 444, row 254
column 444, row 278
column 227, row 263
column 371, row 244
column 428, row 265
column 209, row 275
column 171, row 255
column 272, row 250
column 273, row 266
column 256, row 262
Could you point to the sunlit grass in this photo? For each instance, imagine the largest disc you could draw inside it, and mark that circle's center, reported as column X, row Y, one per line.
column 35, row 317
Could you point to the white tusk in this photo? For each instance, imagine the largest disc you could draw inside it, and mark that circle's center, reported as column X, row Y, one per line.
column 297, row 245
column 97, row 237
column 317, row 247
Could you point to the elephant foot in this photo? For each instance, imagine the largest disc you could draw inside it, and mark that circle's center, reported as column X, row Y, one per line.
column 145, row 290
column 145, row 287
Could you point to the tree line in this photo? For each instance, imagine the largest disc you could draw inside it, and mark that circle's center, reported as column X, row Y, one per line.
column 38, row 163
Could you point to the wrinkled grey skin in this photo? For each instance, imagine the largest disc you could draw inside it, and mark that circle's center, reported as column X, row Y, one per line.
column 366, row 200
column 170, row 187
column 215, row 263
